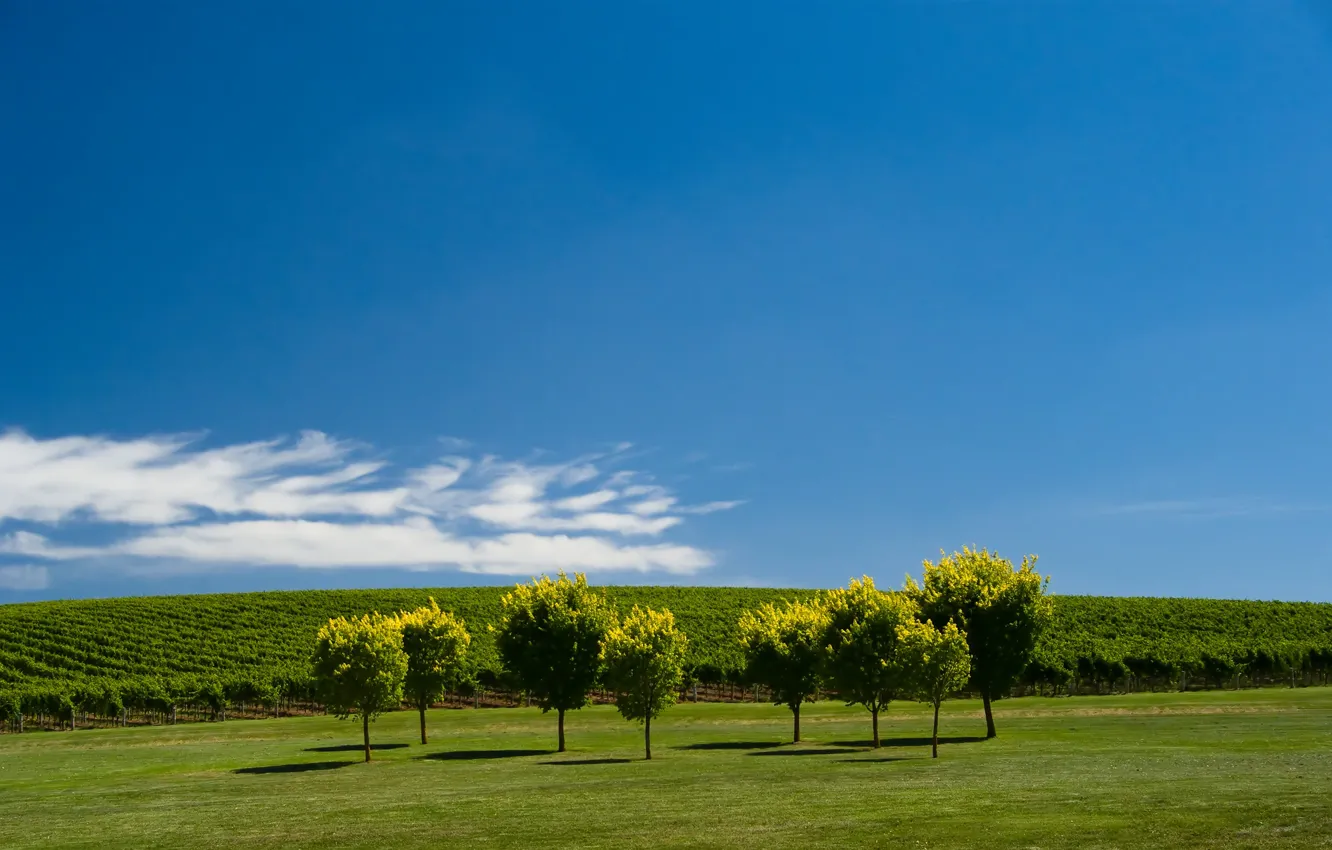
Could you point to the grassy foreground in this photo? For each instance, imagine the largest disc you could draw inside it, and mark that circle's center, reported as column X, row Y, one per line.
column 1214, row 769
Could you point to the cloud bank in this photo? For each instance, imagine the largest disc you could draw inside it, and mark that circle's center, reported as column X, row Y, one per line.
column 319, row 502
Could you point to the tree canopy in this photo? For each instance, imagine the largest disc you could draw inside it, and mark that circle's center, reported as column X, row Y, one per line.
column 644, row 660
column 935, row 663
column 861, row 641
column 549, row 639
column 360, row 666
column 784, row 652
column 436, row 645
column 1000, row 609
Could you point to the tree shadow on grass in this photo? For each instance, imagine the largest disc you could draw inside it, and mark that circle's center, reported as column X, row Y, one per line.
column 300, row 767
column 801, row 751
column 880, row 760
column 730, row 745
column 912, row 742
column 471, row 755
column 353, row 748
column 587, row 761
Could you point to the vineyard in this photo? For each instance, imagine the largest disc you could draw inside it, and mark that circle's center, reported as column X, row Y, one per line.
column 206, row 653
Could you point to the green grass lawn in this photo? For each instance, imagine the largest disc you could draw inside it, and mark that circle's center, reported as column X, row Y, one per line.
column 1219, row 769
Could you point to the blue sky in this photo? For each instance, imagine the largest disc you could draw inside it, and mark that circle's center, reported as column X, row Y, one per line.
column 759, row 294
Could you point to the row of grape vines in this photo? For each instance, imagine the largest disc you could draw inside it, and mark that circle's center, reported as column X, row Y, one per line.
column 156, row 656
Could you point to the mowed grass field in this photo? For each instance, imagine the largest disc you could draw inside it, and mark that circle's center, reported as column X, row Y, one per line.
column 1218, row 769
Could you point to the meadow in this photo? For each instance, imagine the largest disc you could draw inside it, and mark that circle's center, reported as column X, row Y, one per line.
column 1247, row 768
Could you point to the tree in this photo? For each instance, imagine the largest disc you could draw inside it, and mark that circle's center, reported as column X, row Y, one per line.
column 436, row 644
column 549, row 639
column 360, row 666
column 936, row 664
column 861, row 641
column 783, row 650
column 644, row 662
column 1001, row 610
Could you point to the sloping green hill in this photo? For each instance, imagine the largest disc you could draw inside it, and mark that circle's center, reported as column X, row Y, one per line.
column 239, row 633
column 1095, row 639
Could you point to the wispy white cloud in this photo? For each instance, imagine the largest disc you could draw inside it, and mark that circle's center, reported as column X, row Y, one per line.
column 156, row 480
column 1206, row 508
column 319, row 502
column 587, row 501
column 24, row 577
column 657, row 505
column 38, row 546
column 411, row 543
column 710, row 507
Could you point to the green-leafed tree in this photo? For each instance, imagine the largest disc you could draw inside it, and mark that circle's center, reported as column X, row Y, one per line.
column 861, row 641
column 1000, row 609
column 360, row 666
column 783, row 651
column 436, row 644
column 549, row 640
column 644, row 663
column 935, row 663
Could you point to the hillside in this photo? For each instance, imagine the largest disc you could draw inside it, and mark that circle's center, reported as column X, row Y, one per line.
column 1101, row 640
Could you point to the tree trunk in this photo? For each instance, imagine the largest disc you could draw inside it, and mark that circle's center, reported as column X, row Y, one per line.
column 796, row 711
column 989, row 717
column 423, row 735
column 365, row 730
column 173, row 715
column 647, row 738
column 874, row 713
column 561, row 730
column 934, row 743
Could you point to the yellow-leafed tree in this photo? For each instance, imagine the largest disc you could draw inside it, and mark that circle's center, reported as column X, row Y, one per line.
column 436, row 645
column 549, row 639
column 935, row 663
column 861, row 640
column 1000, row 609
column 644, row 666
column 360, row 666
column 783, row 649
